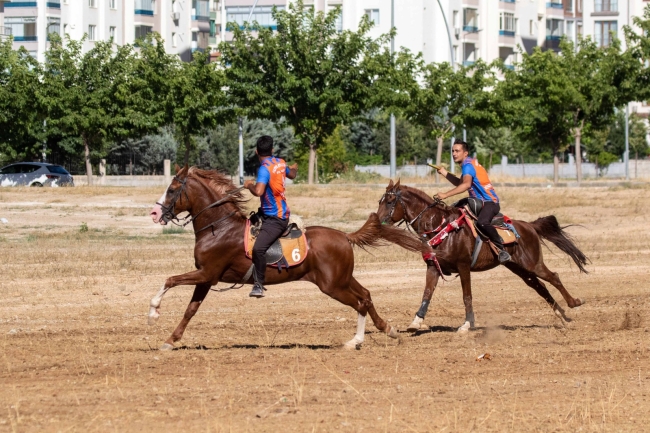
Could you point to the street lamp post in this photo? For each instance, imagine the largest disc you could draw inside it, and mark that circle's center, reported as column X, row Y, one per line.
column 393, row 146
column 241, row 122
column 453, row 67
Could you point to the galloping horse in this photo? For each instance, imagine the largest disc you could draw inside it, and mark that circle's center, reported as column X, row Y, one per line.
column 218, row 217
column 424, row 215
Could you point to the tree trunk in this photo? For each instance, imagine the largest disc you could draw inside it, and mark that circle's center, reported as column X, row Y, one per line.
column 187, row 151
column 636, row 164
column 439, row 157
column 523, row 167
column 578, row 154
column 316, row 168
column 89, row 167
column 556, row 168
column 312, row 161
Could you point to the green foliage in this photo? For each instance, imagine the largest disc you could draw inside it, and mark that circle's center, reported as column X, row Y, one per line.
column 83, row 228
column 306, row 71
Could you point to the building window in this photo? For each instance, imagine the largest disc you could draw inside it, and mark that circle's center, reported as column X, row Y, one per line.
column 507, row 24
column 92, row 32
column 339, row 19
column 579, row 5
column 23, row 29
column 373, row 16
column 569, row 6
column 65, row 29
column 142, row 31
column 604, row 32
column 174, row 42
column 531, row 28
column 92, row 3
column 470, row 20
column 554, row 4
column 554, row 29
column 454, row 21
column 469, row 54
column 262, row 15
column 201, row 10
column 144, row 7
column 569, row 30
column 111, row 4
column 605, row 5
column 111, row 33
column 53, row 26
column 507, row 54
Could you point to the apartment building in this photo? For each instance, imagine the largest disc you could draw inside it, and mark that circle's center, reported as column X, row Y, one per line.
column 185, row 25
column 5, row 32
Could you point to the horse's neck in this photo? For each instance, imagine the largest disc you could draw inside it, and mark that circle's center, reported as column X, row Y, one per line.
column 417, row 206
column 206, row 196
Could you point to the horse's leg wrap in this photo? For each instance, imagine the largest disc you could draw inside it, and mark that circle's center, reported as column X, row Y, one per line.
column 154, row 305
column 424, row 307
column 416, row 324
column 359, row 336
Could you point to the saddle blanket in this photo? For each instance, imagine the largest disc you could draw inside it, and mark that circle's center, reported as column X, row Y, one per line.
column 508, row 236
column 287, row 251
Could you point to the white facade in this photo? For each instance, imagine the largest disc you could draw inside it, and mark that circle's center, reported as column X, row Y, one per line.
column 185, row 25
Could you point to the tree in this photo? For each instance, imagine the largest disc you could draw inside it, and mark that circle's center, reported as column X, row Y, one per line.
column 306, row 71
column 21, row 117
column 449, row 98
column 534, row 99
column 602, row 80
column 76, row 92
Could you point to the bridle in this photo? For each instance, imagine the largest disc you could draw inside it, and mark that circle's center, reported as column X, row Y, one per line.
column 398, row 200
column 168, row 214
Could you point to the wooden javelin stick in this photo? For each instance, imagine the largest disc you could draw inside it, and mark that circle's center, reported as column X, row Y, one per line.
column 434, row 166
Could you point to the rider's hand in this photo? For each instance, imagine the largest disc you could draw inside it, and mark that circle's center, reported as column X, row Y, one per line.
column 294, row 166
column 248, row 183
column 440, row 195
column 442, row 171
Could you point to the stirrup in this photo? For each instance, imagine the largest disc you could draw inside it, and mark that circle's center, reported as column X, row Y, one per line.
column 504, row 256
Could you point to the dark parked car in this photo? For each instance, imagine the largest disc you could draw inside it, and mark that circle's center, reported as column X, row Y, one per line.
column 35, row 174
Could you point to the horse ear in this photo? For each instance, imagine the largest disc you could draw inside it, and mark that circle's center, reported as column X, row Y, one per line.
column 177, row 168
column 390, row 185
column 397, row 183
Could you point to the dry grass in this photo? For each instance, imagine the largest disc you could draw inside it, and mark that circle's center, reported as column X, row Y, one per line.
column 76, row 354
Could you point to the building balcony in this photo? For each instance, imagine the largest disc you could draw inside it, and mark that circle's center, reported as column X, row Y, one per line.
column 201, row 11
column 5, row 32
column 468, row 63
column 25, row 38
column 507, row 1
column 506, row 33
column 554, row 5
column 470, row 29
column 22, row 4
column 511, row 67
column 54, row 4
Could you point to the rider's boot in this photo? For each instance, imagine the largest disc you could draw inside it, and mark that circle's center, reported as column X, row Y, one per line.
column 503, row 255
column 258, row 291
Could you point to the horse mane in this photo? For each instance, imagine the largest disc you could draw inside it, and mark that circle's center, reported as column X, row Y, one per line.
column 221, row 184
column 425, row 198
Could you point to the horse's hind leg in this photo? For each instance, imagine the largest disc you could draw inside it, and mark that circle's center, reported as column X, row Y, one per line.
column 200, row 292
column 532, row 281
column 429, row 288
column 466, row 283
column 547, row 275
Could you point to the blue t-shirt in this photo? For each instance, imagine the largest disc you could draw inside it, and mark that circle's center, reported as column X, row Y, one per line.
column 481, row 186
column 273, row 172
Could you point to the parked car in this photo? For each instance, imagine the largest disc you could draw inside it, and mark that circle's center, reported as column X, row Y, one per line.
column 35, row 174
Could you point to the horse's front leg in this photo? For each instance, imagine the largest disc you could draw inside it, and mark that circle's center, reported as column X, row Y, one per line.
column 466, row 282
column 190, row 279
column 429, row 288
column 200, row 292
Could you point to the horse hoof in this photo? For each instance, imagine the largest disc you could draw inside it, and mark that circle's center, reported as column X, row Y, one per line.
column 464, row 329
column 416, row 325
column 352, row 345
column 167, row 347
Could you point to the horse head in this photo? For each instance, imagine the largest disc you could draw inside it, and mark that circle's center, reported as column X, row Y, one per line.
column 174, row 200
column 391, row 207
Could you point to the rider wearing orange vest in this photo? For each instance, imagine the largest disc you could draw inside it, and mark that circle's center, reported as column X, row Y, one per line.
column 475, row 180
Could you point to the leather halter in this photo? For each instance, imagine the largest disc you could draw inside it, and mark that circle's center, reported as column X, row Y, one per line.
column 169, row 215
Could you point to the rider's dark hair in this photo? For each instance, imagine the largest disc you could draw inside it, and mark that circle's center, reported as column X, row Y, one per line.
column 265, row 145
column 462, row 143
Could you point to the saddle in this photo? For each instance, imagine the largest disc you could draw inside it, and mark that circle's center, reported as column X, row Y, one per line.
column 289, row 250
column 502, row 223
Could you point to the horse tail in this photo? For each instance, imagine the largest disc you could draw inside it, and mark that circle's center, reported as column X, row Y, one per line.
column 374, row 234
column 548, row 228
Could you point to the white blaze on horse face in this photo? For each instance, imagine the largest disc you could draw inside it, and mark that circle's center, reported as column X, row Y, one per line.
column 156, row 212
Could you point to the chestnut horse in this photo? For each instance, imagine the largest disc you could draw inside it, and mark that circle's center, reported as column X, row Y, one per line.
column 219, row 220
column 423, row 215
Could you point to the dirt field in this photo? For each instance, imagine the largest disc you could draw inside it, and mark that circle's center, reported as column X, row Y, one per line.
column 77, row 354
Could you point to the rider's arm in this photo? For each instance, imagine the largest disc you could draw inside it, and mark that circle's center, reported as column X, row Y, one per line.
column 292, row 171
column 466, row 183
column 256, row 188
column 450, row 177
